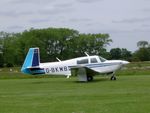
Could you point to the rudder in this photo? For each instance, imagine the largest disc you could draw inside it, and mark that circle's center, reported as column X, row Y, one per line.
column 32, row 60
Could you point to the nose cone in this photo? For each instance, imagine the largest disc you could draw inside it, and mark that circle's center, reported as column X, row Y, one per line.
column 125, row 62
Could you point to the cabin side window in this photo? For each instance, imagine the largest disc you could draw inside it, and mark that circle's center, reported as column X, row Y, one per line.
column 83, row 61
column 93, row 60
column 102, row 59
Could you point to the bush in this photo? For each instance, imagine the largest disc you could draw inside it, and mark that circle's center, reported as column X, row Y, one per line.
column 9, row 65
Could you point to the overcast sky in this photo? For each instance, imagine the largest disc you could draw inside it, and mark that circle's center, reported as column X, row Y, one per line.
column 126, row 21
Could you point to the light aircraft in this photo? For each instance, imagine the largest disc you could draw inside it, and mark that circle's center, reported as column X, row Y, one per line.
column 84, row 67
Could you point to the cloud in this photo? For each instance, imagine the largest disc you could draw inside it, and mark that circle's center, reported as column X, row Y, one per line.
column 64, row 5
column 15, row 28
column 88, row 1
column 39, row 21
column 32, row 8
column 133, row 20
column 51, row 12
column 141, row 30
column 14, row 13
column 32, row 1
column 56, row 9
column 146, row 25
column 80, row 20
column 146, row 10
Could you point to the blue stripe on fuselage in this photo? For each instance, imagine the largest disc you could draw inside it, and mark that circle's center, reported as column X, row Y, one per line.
column 97, row 65
column 101, row 65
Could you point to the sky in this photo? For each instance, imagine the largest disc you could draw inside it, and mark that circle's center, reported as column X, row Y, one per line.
column 126, row 21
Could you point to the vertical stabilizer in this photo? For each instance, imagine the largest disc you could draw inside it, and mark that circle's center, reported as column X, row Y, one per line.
column 36, row 58
column 32, row 60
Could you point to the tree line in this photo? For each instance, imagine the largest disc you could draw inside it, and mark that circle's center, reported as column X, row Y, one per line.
column 53, row 42
column 63, row 43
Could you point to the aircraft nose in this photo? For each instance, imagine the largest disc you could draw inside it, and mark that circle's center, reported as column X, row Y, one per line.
column 125, row 62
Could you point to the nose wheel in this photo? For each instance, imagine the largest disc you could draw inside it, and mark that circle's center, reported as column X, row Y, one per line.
column 89, row 78
column 113, row 78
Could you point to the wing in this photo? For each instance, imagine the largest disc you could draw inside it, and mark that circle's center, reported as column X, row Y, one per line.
column 82, row 72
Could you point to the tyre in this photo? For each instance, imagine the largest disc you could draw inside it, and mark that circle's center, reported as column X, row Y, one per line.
column 113, row 78
column 89, row 78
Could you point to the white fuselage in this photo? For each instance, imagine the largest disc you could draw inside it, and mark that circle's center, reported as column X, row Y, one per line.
column 58, row 68
column 83, row 67
column 92, row 62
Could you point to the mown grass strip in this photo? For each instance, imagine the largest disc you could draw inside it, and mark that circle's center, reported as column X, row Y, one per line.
column 129, row 94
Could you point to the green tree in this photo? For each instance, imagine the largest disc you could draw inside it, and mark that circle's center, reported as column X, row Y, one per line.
column 2, row 35
column 142, row 44
column 1, row 60
column 125, row 54
column 143, row 54
column 92, row 44
column 1, row 53
column 53, row 42
column 115, row 53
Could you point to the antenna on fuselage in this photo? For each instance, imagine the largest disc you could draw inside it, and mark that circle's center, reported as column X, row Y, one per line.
column 58, row 59
column 86, row 54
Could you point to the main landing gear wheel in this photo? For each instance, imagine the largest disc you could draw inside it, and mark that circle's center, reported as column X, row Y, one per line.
column 89, row 78
column 113, row 78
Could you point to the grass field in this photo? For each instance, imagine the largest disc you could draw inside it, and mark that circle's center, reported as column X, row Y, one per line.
column 129, row 94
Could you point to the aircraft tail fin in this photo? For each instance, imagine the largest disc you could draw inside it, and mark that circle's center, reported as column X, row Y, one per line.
column 32, row 60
